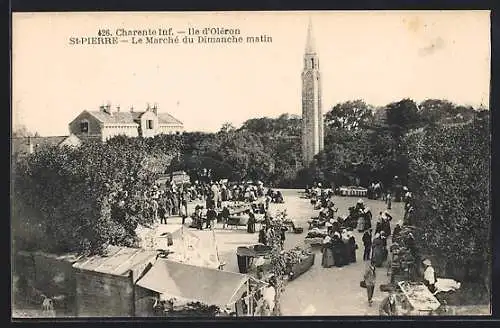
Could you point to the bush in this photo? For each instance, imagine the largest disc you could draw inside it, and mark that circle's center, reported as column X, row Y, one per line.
column 450, row 181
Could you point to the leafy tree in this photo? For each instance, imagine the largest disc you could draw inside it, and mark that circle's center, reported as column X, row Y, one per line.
column 227, row 127
column 81, row 199
column 402, row 116
column 349, row 115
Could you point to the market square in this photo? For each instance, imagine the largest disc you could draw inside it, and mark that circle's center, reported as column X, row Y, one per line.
column 307, row 175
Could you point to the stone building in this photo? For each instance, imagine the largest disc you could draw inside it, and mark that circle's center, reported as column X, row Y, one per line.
column 108, row 122
column 312, row 115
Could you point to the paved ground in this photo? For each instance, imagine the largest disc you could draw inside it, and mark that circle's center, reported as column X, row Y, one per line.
column 332, row 291
column 319, row 291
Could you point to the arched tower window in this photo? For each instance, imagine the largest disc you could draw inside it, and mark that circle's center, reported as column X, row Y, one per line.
column 312, row 62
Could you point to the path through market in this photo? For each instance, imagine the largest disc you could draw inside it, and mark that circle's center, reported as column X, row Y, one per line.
column 319, row 291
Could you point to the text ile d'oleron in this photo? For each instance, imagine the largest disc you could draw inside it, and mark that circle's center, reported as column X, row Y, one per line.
column 169, row 36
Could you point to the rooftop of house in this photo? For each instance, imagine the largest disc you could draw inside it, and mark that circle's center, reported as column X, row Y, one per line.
column 127, row 117
column 18, row 142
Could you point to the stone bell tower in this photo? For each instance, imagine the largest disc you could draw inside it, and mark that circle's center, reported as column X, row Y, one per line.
column 312, row 115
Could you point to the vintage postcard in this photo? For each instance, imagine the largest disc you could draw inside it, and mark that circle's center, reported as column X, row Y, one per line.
column 187, row 164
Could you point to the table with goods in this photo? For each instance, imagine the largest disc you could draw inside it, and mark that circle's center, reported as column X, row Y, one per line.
column 315, row 236
column 419, row 296
column 353, row 191
column 298, row 260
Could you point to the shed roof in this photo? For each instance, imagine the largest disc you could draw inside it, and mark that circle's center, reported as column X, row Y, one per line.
column 118, row 260
column 188, row 282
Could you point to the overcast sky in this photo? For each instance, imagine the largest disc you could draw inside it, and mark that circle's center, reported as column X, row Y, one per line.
column 379, row 57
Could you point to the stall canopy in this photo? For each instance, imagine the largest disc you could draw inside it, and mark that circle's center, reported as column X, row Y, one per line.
column 189, row 248
column 188, row 282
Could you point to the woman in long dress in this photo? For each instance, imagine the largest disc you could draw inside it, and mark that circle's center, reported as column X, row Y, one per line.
column 367, row 219
column 352, row 249
column 251, row 222
column 378, row 251
column 327, row 260
column 337, row 247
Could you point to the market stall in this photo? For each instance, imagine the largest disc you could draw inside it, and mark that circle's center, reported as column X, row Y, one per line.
column 402, row 266
column 190, row 249
column 315, row 236
column 353, row 191
column 299, row 260
column 185, row 289
column 251, row 256
column 419, row 297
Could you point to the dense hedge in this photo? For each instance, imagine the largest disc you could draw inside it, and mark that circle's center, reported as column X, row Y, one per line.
column 450, row 180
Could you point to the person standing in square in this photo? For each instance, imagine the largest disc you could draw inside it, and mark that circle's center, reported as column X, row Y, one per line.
column 369, row 278
column 367, row 243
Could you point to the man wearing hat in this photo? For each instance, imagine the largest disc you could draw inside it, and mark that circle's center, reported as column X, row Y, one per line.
column 429, row 276
column 369, row 279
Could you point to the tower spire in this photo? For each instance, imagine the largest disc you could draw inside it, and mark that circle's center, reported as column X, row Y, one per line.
column 310, row 46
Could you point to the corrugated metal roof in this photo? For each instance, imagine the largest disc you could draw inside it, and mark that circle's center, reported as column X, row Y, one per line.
column 118, row 260
column 210, row 286
column 131, row 117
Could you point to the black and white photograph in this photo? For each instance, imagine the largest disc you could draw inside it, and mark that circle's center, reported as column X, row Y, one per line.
column 250, row 164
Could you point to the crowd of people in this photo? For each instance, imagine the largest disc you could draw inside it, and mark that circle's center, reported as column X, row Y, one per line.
column 338, row 249
column 170, row 199
column 339, row 245
column 220, row 200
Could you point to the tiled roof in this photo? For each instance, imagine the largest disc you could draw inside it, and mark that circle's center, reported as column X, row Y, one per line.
column 131, row 117
column 166, row 118
column 41, row 141
column 117, row 117
column 47, row 141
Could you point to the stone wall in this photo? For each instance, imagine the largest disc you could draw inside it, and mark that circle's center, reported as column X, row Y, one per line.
column 49, row 275
column 104, row 295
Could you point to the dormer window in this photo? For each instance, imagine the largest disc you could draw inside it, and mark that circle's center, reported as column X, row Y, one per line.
column 84, row 126
column 149, row 124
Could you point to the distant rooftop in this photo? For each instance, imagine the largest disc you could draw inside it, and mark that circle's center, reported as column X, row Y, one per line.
column 131, row 117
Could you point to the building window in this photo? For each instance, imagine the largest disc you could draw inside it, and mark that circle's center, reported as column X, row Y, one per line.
column 149, row 124
column 84, row 126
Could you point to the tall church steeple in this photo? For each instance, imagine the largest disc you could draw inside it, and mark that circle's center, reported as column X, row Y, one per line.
column 312, row 115
column 310, row 45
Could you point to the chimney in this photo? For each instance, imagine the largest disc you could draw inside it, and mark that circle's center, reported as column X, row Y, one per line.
column 107, row 108
column 131, row 109
column 155, row 109
column 30, row 145
column 118, row 108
